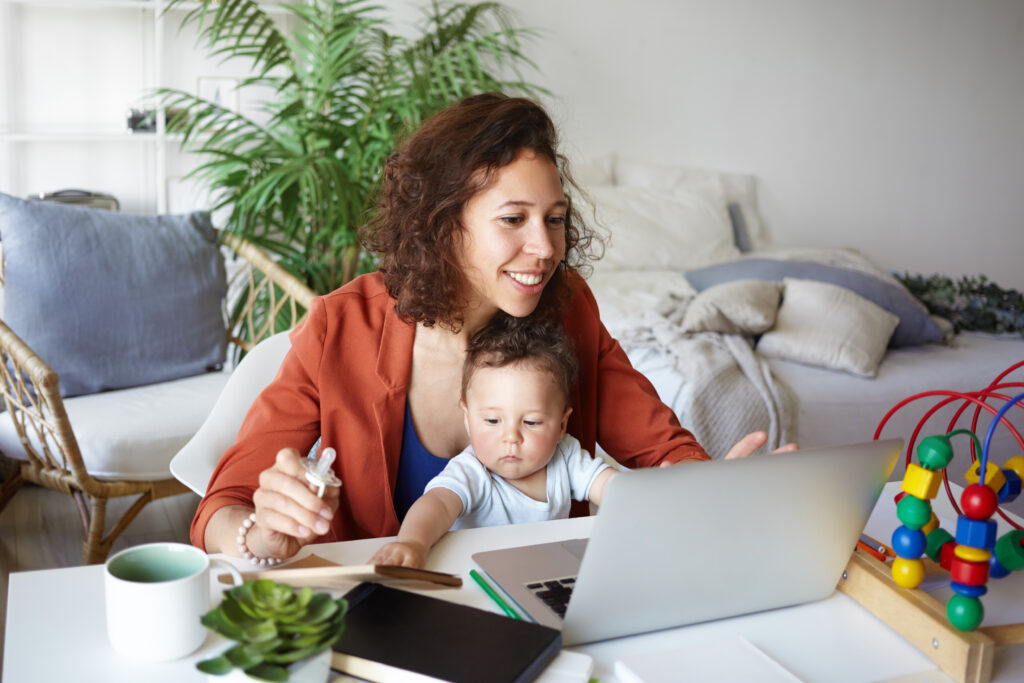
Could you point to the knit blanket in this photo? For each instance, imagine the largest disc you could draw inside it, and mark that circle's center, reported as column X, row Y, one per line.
column 729, row 391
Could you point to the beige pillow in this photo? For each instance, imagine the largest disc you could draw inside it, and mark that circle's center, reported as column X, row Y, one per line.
column 830, row 326
column 737, row 307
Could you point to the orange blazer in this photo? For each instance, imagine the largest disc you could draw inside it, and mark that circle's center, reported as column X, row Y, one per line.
column 346, row 376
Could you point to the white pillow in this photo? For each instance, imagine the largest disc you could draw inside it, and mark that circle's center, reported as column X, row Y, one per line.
column 740, row 188
column 654, row 229
column 829, row 326
column 737, row 307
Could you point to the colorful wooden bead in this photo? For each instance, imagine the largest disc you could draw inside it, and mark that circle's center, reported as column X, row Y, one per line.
column 969, row 573
column 969, row 591
column 934, row 452
column 996, row 570
column 935, row 541
column 1017, row 465
column 971, row 554
column 965, row 613
column 931, row 526
column 920, row 482
column 979, row 501
column 913, row 512
column 980, row 533
column 994, row 477
column 1010, row 551
column 1011, row 489
column 947, row 554
column 907, row 573
column 908, row 543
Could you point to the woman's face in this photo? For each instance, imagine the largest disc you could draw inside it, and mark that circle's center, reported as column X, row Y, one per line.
column 513, row 238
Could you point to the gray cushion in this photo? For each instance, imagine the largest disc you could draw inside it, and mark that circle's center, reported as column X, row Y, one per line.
column 112, row 300
column 915, row 327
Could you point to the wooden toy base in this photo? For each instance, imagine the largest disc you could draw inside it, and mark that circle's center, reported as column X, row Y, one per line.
column 965, row 656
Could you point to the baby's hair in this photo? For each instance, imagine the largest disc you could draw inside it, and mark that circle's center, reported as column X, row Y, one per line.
column 505, row 340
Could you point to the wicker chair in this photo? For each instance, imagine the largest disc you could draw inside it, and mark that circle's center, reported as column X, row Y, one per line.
column 261, row 293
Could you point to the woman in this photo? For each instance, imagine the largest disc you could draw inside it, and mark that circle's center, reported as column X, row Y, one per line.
column 472, row 220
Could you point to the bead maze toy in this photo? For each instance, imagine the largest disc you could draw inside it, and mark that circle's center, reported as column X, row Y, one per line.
column 951, row 635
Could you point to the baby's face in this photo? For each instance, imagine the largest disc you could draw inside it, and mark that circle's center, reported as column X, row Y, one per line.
column 515, row 416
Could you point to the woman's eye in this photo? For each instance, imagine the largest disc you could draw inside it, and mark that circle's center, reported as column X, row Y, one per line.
column 512, row 220
column 557, row 220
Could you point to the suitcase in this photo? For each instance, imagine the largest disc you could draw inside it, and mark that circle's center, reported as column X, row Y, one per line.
column 92, row 200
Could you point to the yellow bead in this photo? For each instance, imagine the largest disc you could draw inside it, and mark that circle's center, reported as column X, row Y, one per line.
column 972, row 554
column 907, row 573
column 994, row 477
column 1016, row 464
column 921, row 483
column 931, row 526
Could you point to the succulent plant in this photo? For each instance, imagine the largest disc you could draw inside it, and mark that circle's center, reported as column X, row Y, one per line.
column 274, row 625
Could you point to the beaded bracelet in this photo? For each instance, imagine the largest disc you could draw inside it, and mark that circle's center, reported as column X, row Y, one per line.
column 244, row 549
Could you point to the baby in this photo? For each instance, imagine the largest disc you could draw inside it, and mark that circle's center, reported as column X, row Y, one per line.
column 520, row 466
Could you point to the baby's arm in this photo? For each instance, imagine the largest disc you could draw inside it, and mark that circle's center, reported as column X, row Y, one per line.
column 597, row 488
column 426, row 522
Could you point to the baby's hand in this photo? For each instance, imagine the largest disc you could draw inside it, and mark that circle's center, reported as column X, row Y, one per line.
column 401, row 553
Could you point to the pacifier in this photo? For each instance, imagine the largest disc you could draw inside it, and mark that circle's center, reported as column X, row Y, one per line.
column 319, row 472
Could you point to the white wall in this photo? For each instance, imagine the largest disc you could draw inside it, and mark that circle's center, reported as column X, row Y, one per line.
column 893, row 127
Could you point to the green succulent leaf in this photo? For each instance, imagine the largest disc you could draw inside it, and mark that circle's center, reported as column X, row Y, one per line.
column 217, row 666
column 291, row 627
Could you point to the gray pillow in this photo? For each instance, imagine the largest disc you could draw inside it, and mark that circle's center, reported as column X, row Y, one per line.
column 112, row 300
column 915, row 327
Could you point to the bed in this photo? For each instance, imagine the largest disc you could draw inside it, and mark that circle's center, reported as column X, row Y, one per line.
column 842, row 339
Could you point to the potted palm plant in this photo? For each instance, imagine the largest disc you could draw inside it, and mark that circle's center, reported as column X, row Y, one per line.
column 300, row 181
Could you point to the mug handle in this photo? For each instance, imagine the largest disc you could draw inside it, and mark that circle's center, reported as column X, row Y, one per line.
column 236, row 576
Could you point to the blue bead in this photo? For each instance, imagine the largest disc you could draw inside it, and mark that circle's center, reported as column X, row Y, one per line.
column 968, row 591
column 977, row 533
column 996, row 570
column 908, row 543
column 1011, row 489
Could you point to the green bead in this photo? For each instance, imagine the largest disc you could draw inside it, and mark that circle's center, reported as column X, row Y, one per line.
column 964, row 613
column 935, row 540
column 913, row 512
column 934, row 452
column 1008, row 550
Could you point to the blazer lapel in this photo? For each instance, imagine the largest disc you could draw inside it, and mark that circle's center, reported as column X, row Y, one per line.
column 394, row 364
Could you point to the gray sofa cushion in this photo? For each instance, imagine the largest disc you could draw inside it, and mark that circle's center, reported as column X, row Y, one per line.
column 112, row 300
column 916, row 325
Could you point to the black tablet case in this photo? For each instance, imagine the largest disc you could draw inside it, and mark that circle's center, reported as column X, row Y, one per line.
column 390, row 631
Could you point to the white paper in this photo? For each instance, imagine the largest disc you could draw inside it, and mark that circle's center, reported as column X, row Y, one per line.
column 724, row 661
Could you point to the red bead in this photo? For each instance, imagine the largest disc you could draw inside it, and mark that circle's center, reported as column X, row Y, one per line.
column 946, row 555
column 899, row 496
column 970, row 573
column 979, row 501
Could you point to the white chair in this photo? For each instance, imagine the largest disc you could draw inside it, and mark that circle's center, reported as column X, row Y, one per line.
column 194, row 463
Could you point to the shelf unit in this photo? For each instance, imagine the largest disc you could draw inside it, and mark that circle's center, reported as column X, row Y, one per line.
column 69, row 71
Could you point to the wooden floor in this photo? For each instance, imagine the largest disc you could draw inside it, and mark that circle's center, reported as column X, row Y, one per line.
column 40, row 529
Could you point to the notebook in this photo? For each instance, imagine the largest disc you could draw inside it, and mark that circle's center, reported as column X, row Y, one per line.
column 702, row 541
column 392, row 635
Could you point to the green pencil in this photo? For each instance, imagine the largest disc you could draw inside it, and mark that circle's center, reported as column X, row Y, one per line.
column 493, row 595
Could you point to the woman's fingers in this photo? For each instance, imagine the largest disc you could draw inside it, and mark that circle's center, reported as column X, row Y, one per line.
column 285, row 504
column 747, row 445
column 787, row 448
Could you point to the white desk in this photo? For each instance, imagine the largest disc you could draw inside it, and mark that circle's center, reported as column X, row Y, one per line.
column 56, row 628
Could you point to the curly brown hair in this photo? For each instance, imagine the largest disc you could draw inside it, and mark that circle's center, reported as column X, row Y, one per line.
column 417, row 227
column 541, row 342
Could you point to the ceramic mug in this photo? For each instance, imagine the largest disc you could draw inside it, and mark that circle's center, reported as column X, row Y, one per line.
column 156, row 594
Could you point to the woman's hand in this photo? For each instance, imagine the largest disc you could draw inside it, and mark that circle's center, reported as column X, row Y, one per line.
column 401, row 553
column 751, row 442
column 288, row 512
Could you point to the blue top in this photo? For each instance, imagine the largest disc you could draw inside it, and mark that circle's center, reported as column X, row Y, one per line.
column 416, row 466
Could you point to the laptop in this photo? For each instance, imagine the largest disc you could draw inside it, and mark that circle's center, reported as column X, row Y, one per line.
column 681, row 545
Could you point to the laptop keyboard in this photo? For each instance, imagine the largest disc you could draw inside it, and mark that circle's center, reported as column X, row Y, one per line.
column 554, row 593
